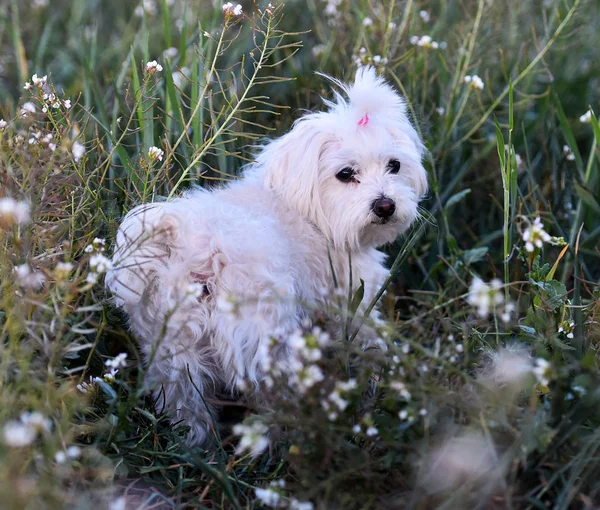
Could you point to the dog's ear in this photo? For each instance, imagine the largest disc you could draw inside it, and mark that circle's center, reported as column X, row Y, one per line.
column 291, row 165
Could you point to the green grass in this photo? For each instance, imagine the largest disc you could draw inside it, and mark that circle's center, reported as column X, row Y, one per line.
column 495, row 161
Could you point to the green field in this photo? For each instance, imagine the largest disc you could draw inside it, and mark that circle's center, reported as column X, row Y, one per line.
column 489, row 394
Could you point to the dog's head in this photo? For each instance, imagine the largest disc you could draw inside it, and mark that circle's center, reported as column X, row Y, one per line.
column 355, row 170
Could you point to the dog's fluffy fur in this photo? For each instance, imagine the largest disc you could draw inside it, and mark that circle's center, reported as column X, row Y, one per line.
column 269, row 242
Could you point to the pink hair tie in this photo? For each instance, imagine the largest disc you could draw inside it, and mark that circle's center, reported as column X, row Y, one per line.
column 364, row 121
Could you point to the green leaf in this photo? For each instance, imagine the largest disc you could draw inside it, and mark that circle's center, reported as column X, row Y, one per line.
column 358, row 297
column 474, row 255
column 501, row 147
column 457, row 197
column 587, row 197
column 527, row 330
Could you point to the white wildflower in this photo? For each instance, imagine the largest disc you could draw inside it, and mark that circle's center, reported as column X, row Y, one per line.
column 117, row 362
column 155, row 153
column 170, row 52
column 13, row 212
column 36, row 420
column 440, row 110
column 510, row 367
column 3, row 124
column 586, row 118
column 485, row 297
column 63, row 269
column 269, row 496
column 17, row 434
column 229, row 10
column 568, row 153
column 306, row 378
column 372, row 431
column 356, row 429
column 392, row 26
column 300, row 505
column 367, row 22
column 27, row 278
column 424, row 42
column 28, row 108
column 100, row 264
column 153, row 67
column 67, row 104
column 424, row 15
column 118, row 504
column 78, row 151
column 39, row 82
column 535, row 236
column 403, row 414
column 253, row 437
column 148, row 7
column 60, row 457
column 568, row 329
column 542, row 371
column 474, row 82
column 460, row 460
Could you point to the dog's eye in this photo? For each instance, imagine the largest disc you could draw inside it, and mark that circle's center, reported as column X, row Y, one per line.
column 345, row 174
column 393, row 166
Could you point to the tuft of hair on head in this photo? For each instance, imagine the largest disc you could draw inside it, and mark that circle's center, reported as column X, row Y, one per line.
column 369, row 94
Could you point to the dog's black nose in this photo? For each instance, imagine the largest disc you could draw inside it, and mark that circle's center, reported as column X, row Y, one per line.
column 384, row 207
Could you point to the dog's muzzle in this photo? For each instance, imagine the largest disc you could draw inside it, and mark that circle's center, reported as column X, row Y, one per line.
column 384, row 207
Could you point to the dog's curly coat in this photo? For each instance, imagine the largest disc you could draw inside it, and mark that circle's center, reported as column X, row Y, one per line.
column 345, row 180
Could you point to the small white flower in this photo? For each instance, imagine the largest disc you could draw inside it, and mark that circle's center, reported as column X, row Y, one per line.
column 147, row 6
column 586, row 118
column 356, row 429
column 18, row 434
column 27, row 108
column 475, row 82
column 367, row 22
column 118, row 504
column 3, row 124
column 300, row 505
column 13, row 212
column 392, row 26
column 403, row 414
column 440, row 110
column 63, row 269
column 268, row 497
column 459, row 348
column 100, row 264
column 424, row 16
column 458, row 460
column 170, row 52
column 78, row 151
column 568, row 153
column 423, row 412
column 27, row 86
column 153, row 67
column 60, row 457
column 372, row 431
column 67, row 104
column 542, row 371
column 230, row 11
column 535, row 236
column 425, row 42
column 484, row 297
column 27, row 278
column 36, row 420
column 117, row 362
column 39, row 82
column 154, row 153
column 253, row 438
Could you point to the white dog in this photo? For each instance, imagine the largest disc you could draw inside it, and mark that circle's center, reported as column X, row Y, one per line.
column 338, row 185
